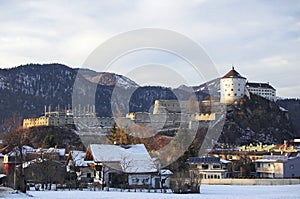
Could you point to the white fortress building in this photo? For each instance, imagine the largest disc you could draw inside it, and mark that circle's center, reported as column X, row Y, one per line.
column 232, row 87
column 262, row 89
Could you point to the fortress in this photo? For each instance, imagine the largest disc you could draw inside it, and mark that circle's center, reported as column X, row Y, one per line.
column 83, row 116
column 170, row 113
column 233, row 86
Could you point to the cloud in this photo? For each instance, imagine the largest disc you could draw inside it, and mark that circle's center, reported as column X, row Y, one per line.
column 253, row 35
column 274, row 61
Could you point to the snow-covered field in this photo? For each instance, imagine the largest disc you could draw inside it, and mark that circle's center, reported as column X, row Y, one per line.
column 207, row 192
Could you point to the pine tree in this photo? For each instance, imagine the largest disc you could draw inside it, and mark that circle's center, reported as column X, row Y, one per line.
column 118, row 136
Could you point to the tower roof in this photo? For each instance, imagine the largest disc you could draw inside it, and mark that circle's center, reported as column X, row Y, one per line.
column 233, row 74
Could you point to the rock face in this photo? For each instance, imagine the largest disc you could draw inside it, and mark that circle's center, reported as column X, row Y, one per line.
column 256, row 120
column 292, row 106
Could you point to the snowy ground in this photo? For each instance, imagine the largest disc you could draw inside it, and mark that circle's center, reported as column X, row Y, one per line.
column 207, row 192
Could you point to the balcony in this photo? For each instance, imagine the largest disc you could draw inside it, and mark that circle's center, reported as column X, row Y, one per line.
column 265, row 170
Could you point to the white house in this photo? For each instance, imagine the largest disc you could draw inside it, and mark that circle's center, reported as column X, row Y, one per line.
column 272, row 166
column 130, row 164
column 76, row 164
column 209, row 167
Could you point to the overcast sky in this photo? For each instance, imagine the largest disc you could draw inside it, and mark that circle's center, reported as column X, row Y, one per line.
column 260, row 38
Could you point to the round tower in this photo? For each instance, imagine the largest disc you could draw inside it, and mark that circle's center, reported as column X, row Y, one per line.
column 232, row 87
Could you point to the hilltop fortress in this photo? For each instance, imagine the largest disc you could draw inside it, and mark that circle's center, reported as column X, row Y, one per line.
column 233, row 86
column 166, row 113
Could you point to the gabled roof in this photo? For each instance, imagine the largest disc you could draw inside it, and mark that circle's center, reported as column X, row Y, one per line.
column 273, row 158
column 233, row 74
column 78, row 158
column 132, row 158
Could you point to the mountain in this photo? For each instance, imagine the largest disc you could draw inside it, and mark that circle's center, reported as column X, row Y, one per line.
column 26, row 89
column 108, row 79
column 211, row 87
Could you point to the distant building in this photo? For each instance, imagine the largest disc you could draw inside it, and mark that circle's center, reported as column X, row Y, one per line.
column 232, row 86
column 209, row 167
column 83, row 117
column 271, row 166
column 262, row 89
column 32, row 157
column 170, row 106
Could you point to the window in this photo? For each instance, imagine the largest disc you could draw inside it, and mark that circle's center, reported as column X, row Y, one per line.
column 216, row 166
column 204, row 166
column 88, row 175
column 228, row 94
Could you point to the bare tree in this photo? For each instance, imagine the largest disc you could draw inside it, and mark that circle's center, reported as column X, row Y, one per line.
column 126, row 164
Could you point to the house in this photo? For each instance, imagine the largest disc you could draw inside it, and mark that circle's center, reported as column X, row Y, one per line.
column 45, row 171
column 34, row 159
column 275, row 166
column 209, row 167
column 119, row 165
column 77, row 165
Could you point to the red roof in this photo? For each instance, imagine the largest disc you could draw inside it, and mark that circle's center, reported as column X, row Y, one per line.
column 233, row 74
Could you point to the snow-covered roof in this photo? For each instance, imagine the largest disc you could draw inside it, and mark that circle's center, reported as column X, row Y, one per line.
column 272, row 158
column 61, row 152
column 78, row 158
column 132, row 158
column 225, row 161
column 265, row 160
column 165, row 172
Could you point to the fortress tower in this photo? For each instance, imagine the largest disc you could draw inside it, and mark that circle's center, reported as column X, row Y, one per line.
column 232, row 87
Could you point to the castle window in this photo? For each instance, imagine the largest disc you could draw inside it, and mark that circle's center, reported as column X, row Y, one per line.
column 232, row 89
column 235, row 94
column 228, row 94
